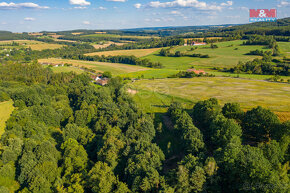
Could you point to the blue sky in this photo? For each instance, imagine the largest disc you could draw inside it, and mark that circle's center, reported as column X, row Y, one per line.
column 52, row 15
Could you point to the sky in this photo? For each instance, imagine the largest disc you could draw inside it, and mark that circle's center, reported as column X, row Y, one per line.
column 58, row 15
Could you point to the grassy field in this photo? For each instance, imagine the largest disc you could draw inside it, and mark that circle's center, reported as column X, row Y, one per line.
column 137, row 52
column 285, row 48
column 6, row 109
column 106, row 44
column 118, row 36
column 224, row 56
column 66, row 69
column 34, row 45
column 249, row 93
column 114, row 68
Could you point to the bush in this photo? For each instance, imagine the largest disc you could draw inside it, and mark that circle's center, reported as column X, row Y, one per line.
column 4, row 96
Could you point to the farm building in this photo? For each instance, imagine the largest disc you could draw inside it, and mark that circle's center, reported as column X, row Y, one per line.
column 196, row 71
column 198, row 43
column 102, row 81
column 99, row 79
column 194, row 43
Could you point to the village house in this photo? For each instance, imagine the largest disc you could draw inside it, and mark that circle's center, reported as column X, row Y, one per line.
column 196, row 71
column 198, row 43
column 102, row 81
column 194, row 43
column 99, row 79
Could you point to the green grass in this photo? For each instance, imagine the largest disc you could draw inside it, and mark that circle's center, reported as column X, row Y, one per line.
column 224, row 56
column 285, row 48
column 154, row 73
column 150, row 101
column 66, row 69
column 249, row 93
column 34, row 45
column 6, row 109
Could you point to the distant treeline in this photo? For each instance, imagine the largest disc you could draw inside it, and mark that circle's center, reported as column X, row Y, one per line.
column 132, row 60
column 148, row 43
column 92, row 39
column 166, row 52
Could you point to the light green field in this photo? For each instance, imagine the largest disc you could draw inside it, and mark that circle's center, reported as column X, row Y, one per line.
column 6, row 109
column 114, row 68
column 34, row 45
column 249, row 93
column 66, row 69
column 285, row 48
column 224, row 56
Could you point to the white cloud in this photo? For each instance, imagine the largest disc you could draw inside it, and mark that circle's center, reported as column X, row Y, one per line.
column 29, row 19
column 117, row 0
column 12, row 5
column 189, row 3
column 138, row 5
column 284, row 4
column 228, row 3
column 3, row 23
column 79, row 2
column 86, row 22
column 102, row 8
column 80, row 7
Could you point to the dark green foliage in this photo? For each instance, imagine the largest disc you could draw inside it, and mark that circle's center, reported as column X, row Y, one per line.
column 4, row 96
column 205, row 111
column 260, row 124
column 66, row 135
column 223, row 130
column 262, row 66
column 259, row 52
column 102, row 179
column 233, row 111
column 190, row 175
column 107, row 74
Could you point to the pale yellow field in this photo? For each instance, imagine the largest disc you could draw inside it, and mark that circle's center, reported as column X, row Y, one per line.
column 138, row 52
column 107, row 44
column 114, row 68
column 6, row 109
column 249, row 93
column 34, row 45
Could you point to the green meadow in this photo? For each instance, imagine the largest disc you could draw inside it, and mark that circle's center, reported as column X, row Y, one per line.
column 66, row 69
column 228, row 54
column 6, row 109
column 249, row 93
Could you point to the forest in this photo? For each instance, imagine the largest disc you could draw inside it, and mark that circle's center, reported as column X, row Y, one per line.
column 67, row 135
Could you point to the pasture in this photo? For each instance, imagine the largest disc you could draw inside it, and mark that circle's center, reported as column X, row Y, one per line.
column 34, row 45
column 114, row 68
column 249, row 93
column 6, row 109
column 138, row 52
column 104, row 35
column 106, row 44
column 227, row 55
column 67, row 69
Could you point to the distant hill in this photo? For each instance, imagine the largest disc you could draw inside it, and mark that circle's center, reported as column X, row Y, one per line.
column 279, row 27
